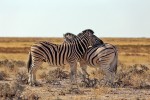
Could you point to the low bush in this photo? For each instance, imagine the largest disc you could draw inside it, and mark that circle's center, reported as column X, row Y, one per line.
column 12, row 63
column 136, row 76
column 2, row 75
column 10, row 91
column 55, row 75
column 22, row 77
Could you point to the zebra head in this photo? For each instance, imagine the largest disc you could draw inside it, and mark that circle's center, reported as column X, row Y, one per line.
column 95, row 41
column 69, row 36
column 89, row 32
column 86, row 35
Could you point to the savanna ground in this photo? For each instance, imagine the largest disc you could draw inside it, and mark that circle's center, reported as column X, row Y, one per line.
column 132, row 78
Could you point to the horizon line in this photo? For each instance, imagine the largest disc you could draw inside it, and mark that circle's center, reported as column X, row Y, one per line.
column 60, row 37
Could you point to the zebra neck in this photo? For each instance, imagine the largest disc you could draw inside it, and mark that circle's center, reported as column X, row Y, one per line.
column 82, row 46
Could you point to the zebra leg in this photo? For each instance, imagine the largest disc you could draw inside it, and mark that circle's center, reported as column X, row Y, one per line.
column 32, row 73
column 84, row 67
column 113, row 79
column 30, row 76
column 109, row 77
column 111, row 72
column 73, row 69
column 34, row 69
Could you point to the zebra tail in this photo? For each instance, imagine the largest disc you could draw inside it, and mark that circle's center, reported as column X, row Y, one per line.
column 29, row 62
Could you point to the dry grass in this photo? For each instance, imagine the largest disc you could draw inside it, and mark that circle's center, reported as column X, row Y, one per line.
column 136, row 76
column 22, row 77
column 9, row 91
column 2, row 75
column 132, row 75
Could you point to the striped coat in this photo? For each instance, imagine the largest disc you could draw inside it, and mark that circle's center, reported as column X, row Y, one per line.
column 101, row 55
column 59, row 55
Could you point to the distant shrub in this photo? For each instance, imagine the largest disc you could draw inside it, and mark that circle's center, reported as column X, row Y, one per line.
column 22, row 77
column 10, row 91
column 136, row 76
column 56, row 75
column 4, row 62
column 12, row 63
column 33, row 97
column 2, row 75
column 75, row 91
column 87, row 82
column 19, row 63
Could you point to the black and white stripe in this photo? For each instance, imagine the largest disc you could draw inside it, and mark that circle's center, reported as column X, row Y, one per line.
column 101, row 55
column 59, row 55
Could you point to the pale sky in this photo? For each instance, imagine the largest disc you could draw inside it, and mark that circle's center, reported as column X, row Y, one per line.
column 53, row 18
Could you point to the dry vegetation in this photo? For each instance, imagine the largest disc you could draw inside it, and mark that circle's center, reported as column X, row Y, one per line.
column 132, row 78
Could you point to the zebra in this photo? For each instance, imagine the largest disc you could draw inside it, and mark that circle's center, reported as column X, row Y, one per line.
column 59, row 54
column 101, row 55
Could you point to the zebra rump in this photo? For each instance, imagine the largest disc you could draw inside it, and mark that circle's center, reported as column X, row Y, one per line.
column 101, row 56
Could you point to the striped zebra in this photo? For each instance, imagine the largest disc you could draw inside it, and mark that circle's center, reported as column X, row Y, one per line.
column 59, row 55
column 101, row 55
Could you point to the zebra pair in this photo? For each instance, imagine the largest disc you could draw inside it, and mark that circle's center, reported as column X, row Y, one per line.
column 59, row 55
column 101, row 55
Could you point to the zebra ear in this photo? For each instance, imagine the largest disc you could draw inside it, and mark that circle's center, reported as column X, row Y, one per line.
column 90, row 34
column 89, row 31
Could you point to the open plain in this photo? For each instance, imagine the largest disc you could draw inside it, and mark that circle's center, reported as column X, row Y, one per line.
column 132, row 79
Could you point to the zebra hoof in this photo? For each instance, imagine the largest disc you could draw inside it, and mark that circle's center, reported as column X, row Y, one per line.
column 34, row 84
column 37, row 84
column 30, row 84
